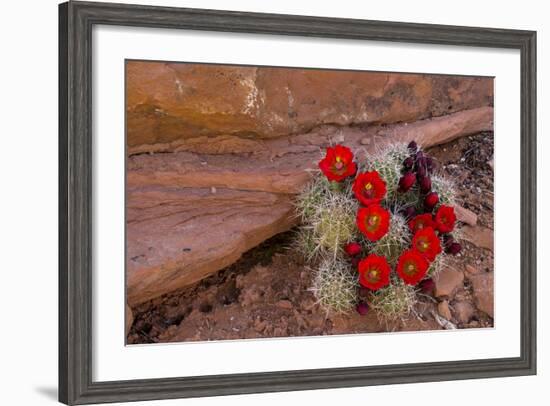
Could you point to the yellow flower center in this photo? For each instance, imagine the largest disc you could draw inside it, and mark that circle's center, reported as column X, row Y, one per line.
column 424, row 245
column 410, row 268
column 368, row 186
column 373, row 273
column 339, row 163
column 373, row 220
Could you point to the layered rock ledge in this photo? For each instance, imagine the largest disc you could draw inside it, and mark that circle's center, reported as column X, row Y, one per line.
column 179, row 106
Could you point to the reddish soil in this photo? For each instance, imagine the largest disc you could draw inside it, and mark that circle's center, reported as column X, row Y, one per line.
column 265, row 293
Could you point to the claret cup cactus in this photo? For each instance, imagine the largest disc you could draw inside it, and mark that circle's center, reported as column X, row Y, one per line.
column 376, row 231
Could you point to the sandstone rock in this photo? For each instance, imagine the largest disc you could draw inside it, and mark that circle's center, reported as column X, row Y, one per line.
column 366, row 141
column 483, row 287
column 281, row 165
column 471, row 270
column 463, row 311
column 284, row 304
column 284, row 174
column 169, row 103
column 260, row 325
column 447, row 281
column 465, row 216
column 191, row 214
column 443, row 310
column 480, row 236
column 473, row 324
column 176, row 237
column 129, row 318
column 432, row 132
column 446, row 324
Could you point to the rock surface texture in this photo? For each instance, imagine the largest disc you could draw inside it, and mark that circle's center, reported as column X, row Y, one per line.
column 237, row 144
column 447, row 281
column 177, row 102
column 483, row 285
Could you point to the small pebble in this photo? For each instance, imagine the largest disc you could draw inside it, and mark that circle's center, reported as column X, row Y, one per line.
column 284, row 304
column 365, row 141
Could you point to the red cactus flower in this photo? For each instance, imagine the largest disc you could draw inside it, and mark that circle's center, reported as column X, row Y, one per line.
column 374, row 272
column 431, row 200
column 362, row 308
column 445, row 219
column 421, row 221
column 426, row 242
column 338, row 163
column 369, row 188
column 406, row 181
column 412, row 267
column 373, row 221
column 352, row 249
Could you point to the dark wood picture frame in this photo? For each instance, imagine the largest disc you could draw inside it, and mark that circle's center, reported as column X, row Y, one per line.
column 76, row 20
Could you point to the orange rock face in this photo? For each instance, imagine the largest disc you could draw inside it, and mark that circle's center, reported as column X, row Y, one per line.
column 177, row 237
column 483, row 286
column 447, row 281
column 175, row 106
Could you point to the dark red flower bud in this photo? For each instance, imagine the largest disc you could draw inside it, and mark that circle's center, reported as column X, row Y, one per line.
column 412, row 146
column 430, row 201
column 421, row 172
column 448, row 239
column 407, row 181
column 363, row 292
column 355, row 261
column 408, row 212
column 421, row 159
column 427, row 286
column 352, row 249
column 408, row 163
column 362, row 308
column 454, row 248
column 425, row 184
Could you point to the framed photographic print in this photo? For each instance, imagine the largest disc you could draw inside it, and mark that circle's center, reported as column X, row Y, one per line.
column 257, row 202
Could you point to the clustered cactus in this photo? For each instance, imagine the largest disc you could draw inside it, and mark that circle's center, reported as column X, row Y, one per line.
column 334, row 286
column 376, row 230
